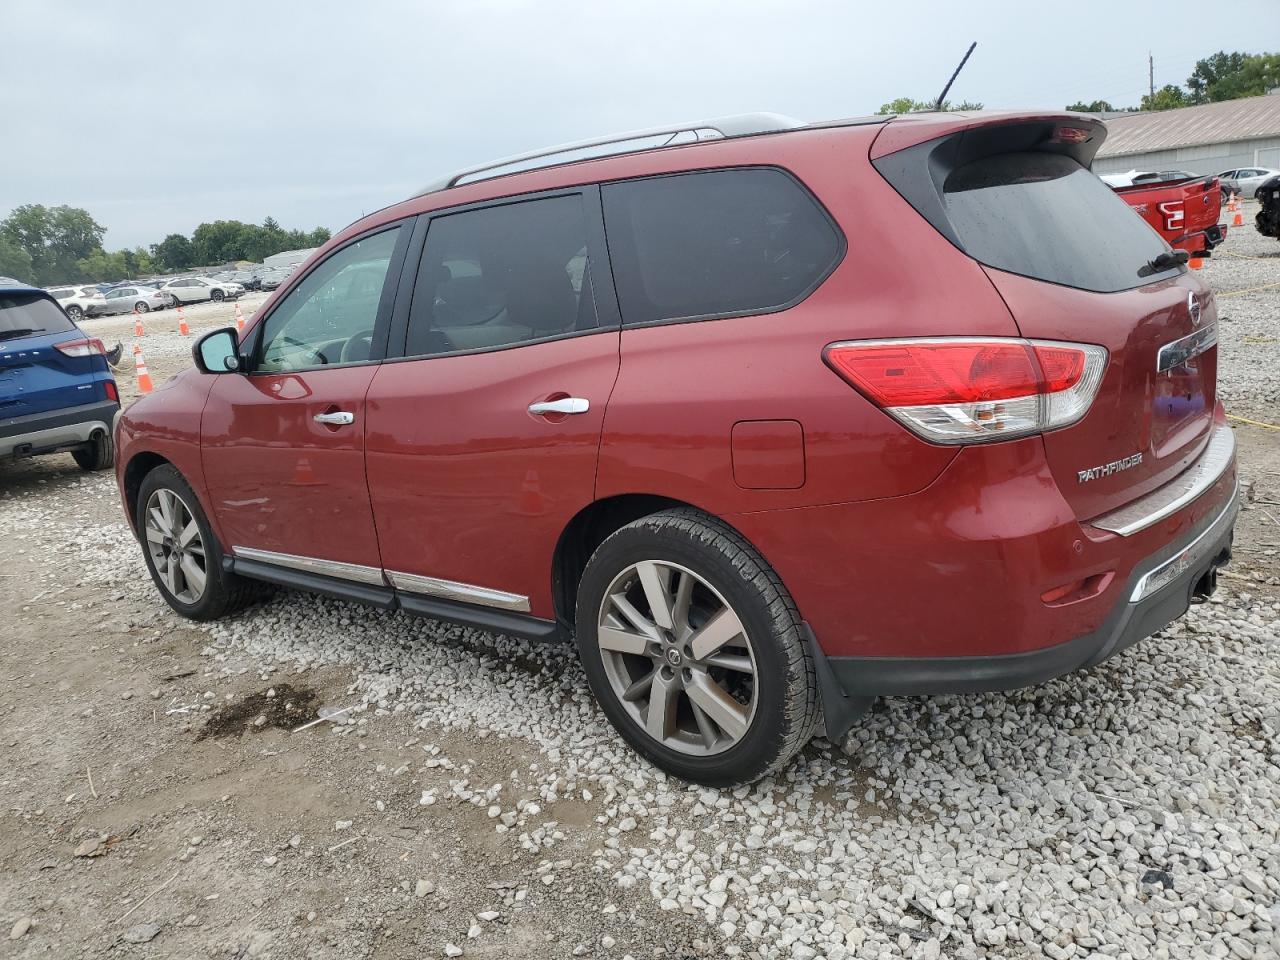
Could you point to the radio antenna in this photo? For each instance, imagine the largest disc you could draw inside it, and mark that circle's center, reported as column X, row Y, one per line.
column 947, row 89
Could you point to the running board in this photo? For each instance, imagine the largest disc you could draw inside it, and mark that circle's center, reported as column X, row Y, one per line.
column 490, row 619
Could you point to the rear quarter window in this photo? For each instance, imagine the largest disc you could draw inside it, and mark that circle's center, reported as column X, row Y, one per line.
column 716, row 243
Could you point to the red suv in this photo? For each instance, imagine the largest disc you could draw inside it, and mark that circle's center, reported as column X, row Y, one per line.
column 774, row 418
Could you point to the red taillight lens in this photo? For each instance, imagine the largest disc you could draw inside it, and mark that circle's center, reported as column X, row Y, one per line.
column 112, row 392
column 966, row 390
column 84, row 347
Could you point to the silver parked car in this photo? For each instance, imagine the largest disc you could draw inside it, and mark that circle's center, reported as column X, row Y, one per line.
column 126, row 300
column 193, row 289
column 1246, row 180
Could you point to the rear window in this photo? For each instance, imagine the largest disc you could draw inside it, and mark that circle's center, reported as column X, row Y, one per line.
column 1043, row 215
column 30, row 314
column 716, row 243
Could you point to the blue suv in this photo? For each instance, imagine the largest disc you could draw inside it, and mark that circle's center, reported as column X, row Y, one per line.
column 56, row 390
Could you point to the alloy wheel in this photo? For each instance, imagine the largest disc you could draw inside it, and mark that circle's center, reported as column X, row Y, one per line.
column 175, row 546
column 678, row 658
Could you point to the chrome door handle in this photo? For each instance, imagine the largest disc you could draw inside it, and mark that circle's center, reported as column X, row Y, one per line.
column 567, row 405
column 338, row 419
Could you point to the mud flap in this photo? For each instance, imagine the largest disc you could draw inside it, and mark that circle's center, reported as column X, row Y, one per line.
column 839, row 710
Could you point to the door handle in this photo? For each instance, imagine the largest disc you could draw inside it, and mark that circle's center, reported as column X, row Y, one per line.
column 337, row 419
column 565, row 405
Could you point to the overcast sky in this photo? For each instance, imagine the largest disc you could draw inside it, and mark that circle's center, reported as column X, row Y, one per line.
column 156, row 116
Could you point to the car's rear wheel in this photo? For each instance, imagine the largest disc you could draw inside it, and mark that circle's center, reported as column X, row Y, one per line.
column 98, row 454
column 694, row 649
column 216, row 295
column 142, row 307
column 75, row 313
column 181, row 552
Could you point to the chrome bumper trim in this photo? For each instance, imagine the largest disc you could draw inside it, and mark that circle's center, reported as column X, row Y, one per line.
column 1189, row 555
column 464, row 592
column 1178, row 492
column 325, row 568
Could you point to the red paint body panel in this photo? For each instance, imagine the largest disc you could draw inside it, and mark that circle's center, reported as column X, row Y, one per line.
column 278, row 480
column 1180, row 211
column 468, row 485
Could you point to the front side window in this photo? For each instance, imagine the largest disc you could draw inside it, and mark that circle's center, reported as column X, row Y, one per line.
column 329, row 317
column 500, row 276
column 715, row 243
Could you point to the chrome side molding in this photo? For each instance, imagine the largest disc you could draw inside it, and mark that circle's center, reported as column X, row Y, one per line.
column 325, row 568
column 408, row 582
column 463, row 592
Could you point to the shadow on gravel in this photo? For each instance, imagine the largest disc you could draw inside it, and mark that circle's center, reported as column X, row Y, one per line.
column 288, row 708
column 38, row 474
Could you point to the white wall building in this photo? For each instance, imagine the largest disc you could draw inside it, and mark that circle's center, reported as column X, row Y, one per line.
column 1206, row 139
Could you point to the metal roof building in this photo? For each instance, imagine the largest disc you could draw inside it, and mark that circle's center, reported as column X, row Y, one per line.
column 1206, row 139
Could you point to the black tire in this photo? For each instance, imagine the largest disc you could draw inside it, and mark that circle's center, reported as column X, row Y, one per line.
column 98, row 455
column 142, row 307
column 223, row 593
column 216, row 295
column 75, row 313
column 785, row 688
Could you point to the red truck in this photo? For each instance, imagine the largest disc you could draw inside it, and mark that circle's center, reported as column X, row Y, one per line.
column 1184, row 210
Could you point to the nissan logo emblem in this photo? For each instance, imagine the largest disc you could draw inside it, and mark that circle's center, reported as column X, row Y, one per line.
column 1193, row 308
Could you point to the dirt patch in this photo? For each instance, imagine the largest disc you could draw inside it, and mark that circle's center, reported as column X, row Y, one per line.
column 281, row 707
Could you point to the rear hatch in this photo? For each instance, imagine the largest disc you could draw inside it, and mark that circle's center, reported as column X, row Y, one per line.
column 1073, row 263
column 35, row 376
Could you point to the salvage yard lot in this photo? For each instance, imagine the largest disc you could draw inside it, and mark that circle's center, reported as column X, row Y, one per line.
column 157, row 804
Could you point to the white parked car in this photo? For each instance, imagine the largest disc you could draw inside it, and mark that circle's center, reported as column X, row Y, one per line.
column 76, row 300
column 193, row 289
column 126, row 300
column 1246, row 180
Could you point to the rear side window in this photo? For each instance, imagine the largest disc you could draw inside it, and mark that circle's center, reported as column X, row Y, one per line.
column 31, row 315
column 716, row 243
column 501, row 276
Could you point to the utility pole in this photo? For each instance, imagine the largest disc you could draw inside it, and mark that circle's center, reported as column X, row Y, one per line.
column 1151, row 74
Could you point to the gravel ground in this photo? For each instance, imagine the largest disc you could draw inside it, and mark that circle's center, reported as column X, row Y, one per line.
column 477, row 801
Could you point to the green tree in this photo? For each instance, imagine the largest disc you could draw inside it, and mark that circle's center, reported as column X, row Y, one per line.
column 14, row 261
column 908, row 105
column 1096, row 106
column 174, row 252
column 1229, row 76
column 222, row 241
column 1168, row 97
column 56, row 239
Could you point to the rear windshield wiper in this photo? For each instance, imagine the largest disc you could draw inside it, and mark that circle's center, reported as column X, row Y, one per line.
column 20, row 332
column 1170, row 258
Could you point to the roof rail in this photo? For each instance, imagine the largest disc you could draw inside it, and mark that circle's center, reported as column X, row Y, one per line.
column 634, row 141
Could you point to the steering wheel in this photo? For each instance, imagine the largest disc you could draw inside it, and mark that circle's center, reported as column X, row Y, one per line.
column 351, row 350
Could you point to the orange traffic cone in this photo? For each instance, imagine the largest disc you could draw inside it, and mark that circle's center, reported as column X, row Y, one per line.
column 1195, row 263
column 144, row 377
column 138, row 330
column 1238, row 219
column 182, row 323
column 239, row 318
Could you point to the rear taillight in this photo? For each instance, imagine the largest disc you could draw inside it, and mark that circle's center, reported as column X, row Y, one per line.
column 84, row 347
column 965, row 390
column 113, row 393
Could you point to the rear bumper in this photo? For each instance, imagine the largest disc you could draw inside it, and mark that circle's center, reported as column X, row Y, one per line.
column 1185, row 571
column 56, row 430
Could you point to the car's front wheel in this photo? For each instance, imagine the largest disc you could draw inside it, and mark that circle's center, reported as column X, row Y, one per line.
column 694, row 649
column 216, row 295
column 182, row 555
column 75, row 313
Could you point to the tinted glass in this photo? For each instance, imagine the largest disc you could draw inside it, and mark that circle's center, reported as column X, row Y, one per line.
column 502, row 275
column 30, row 314
column 62, row 294
column 715, row 244
column 330, row 315
column 1043, row 215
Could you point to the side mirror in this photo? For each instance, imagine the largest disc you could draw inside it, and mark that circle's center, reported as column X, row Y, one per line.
column 218, row 352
